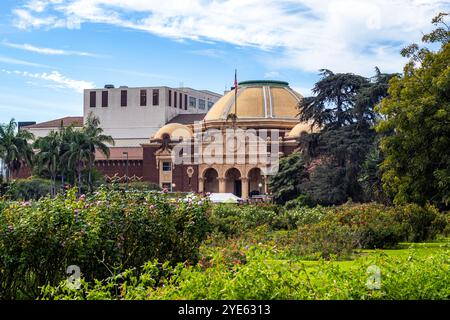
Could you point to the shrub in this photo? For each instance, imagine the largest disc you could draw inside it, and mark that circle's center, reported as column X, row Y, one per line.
column 324, row 240
column 101, row 233
column 28, row 189
column 231, row 219
column 261, row 279
column 420, row 223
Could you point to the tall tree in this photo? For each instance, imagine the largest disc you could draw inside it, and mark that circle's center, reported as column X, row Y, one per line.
column 96, row 140
column 343, row 107
column 416, row 124
column 49, row 156
column 15, row 149
column 285, row 185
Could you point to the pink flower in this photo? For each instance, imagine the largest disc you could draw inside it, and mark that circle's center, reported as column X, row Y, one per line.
column 10, row 227
column 165, row 190
column 152, row 207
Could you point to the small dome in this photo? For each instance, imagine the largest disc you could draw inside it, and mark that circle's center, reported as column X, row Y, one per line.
column 175, row 131
column 300, row 128
column 261, row 99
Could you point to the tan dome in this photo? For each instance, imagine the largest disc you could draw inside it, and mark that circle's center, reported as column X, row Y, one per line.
column 258, row 100
column 300, row 128
column 175, row 131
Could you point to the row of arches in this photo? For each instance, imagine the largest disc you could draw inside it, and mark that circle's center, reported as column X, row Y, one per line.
column 233, row 182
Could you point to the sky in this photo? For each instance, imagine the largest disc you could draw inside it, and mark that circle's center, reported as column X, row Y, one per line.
column 50, row 50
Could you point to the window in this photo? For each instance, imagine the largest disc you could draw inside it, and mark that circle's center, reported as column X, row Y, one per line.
column 175, row 99
column 92, row 99
column 156, row 97
column 170, row 98
column 123, row 98
column 201, row 104
column 167, row 185
column 143, row 99
column 210, row 104
column 181, row 100
column 104, row 99
column 185, row 102
column 167, row 166
column 192, row 102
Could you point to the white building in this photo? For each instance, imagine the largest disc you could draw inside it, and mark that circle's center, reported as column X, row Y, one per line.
column 132, row 115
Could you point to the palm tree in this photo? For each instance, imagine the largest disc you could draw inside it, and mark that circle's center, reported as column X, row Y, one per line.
column 77, row 154
column 49, row 155
column 95, row 140
column 15, row 149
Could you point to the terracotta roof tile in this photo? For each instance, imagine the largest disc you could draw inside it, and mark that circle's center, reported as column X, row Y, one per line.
column 66, row 121
column 188, row 118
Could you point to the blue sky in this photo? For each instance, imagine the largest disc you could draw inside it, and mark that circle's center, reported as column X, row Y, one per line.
column 51, row 49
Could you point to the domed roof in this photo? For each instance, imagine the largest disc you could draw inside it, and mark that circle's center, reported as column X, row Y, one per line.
column 257, row 100
column 300, row 128
column 175, row 131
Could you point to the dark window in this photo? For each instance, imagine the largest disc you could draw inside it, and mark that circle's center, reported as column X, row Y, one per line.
column 192, row 102
column 156, row 97
column 93, row 99
column 210, row 104
column 201, row 104
column 170, row 98
column 185, row 102
column 175, row 96
column 167, row 185
column 104, row 98
column 167, row 166
column 181, row 100
column 143, row 97
column 123, row 98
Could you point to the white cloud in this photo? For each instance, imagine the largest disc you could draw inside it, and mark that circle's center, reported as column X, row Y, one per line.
column 9, row 60
column 342, row 35
column 57, row 79
column 47, row 51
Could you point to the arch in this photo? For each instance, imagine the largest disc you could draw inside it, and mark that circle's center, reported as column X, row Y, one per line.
column 210, row 180
column 255, row 182
column 233, row 183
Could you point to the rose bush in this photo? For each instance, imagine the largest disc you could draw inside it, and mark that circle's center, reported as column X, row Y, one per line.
column 101, row 233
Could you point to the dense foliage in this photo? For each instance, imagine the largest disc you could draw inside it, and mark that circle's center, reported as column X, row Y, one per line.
column 101, row 233
column 408, row 277
column 416, row 125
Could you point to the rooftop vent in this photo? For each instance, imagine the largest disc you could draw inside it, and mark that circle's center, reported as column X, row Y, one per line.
column 109, row 86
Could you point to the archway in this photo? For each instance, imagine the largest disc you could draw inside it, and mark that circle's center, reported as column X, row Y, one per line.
column 255, row 182
column 211, row 183
column 233, row 182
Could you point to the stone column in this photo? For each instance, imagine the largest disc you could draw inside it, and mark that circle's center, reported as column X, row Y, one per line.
column 222, row 185
column 265, row 184
column 201, row 185
column 244, row 185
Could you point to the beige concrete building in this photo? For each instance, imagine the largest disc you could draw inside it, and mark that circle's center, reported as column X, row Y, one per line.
column 131, row 115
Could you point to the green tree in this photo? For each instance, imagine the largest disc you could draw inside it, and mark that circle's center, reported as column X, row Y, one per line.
column 343, row 107
column 416, row 124
column 49, row 156
column 95, row 140
column 15, row 149
column 285, row 184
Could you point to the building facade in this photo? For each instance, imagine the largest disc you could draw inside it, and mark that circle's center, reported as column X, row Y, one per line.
column 189, row 140
column 131, row 115
column 235, row 148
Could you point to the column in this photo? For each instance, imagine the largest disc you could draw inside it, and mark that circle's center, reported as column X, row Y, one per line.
column 201, row 186
column 244, row 182
column 265, row 183
column 222, row 186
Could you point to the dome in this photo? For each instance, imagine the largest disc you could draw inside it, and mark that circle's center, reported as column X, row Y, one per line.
column 175, row 131
column 300, row 128
column 260, row 100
